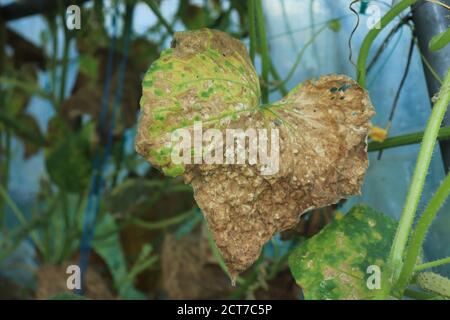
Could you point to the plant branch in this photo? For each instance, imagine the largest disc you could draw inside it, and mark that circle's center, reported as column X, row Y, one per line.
column 154, row 7
column 386, row 42
column 276, row 77
column 18, row 214
column 299, row 57
column 399, row 89
column 406, row 139
column 252, row 29
column 264, row 51
column 395, row 260
column 420, row 232
column 432, row 264
column 435, row 283
column 369, row 39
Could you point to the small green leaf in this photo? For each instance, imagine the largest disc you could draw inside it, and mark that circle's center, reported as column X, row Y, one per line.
column 334, row 25
column 68, row 161
column 26, row 128
column 88, row 66
column 439, row 41
column 333, row 264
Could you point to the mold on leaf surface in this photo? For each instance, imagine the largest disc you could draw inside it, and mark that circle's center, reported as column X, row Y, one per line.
column 323, row 125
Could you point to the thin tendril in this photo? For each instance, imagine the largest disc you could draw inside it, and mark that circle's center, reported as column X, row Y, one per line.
column 350, row 57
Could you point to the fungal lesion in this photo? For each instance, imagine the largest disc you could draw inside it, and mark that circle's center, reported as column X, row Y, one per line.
column 210, row 78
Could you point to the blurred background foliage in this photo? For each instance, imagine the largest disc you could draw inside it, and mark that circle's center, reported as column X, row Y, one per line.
column 70, row 178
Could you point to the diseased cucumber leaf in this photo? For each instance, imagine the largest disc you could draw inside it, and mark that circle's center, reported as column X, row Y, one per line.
column 333, row 264
column 206, row 79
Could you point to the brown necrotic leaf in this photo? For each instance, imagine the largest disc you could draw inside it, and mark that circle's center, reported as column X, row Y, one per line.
column 207, row 76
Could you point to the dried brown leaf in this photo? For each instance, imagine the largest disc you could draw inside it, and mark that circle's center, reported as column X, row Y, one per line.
column 323, row 127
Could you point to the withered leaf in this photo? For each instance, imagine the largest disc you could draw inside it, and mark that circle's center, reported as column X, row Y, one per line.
column 323, row 125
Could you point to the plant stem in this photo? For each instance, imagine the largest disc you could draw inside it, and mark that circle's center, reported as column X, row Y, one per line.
column 418, row 180
column 10, row 202
column 419, row 295
column 264, row 51
column 386, row 41
column 65, row 58
column 300, row 56
column 54, row 57
column 252, row 29
column 6, row 158
column 368, row 40
column 67, row 226
column 217, row 255
column 420, row 232
column 18, row 214
column 406, row 139
column 65, row 62
column 435, row 283
column 288, row 25
column 276, row 77
column 28, row 87
column 154, row 7
column 164, row 223
column 428, row 65
column 312, row 32
column 432, row 264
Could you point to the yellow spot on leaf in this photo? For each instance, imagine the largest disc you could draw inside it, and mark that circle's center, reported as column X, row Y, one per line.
column 339, row 215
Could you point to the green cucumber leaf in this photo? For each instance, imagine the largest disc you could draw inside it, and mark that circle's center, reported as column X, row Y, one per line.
column 334, row 263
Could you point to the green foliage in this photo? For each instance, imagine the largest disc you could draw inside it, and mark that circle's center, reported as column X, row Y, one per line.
column 26, row 128
column 333, row 264
column 335, row 25
column 110, row 249
column 67, row 296
column 89, row 67
column 68, row 161
column 439, row 41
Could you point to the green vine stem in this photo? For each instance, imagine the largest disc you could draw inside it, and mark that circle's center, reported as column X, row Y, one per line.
column 65, row 58
column 368, row 40
column 406, row 139
column 432, row 264
column 4, row 160
column 4, row 169
column 395, row 262
column 164, row 223
column 300, row 56
column 420, row 232
column 154, row 7
column 217, row 255
column 18, row 214
column 434, row 283
column 276, row 77
column 264, row 51
column 63, row 81
column 419, row 295
column 252, row 29
column 53, row 28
